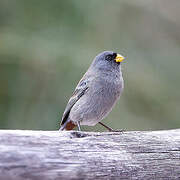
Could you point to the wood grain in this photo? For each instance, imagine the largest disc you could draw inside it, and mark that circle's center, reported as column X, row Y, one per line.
column 44, row 155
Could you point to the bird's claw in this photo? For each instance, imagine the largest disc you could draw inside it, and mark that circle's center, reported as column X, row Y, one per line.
column 116, row 130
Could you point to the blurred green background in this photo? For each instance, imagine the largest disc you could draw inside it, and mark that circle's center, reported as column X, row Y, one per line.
column 46, row 46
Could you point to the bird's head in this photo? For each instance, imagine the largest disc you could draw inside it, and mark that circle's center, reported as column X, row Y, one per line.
column 107, row 60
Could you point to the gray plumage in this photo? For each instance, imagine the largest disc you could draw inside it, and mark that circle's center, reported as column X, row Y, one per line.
column 96, row 93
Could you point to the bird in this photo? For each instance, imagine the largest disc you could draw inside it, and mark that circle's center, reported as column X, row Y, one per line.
column 96, row 93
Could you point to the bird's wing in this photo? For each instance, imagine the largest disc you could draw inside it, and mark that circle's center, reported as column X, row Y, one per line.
column 77, row 94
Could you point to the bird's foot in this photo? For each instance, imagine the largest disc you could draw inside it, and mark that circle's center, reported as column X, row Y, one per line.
column 110, row 129
column 116, row 130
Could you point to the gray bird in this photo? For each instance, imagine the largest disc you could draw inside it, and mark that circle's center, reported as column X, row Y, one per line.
column 96, row 93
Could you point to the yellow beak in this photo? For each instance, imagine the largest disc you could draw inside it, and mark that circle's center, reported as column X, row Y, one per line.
column 119, row 58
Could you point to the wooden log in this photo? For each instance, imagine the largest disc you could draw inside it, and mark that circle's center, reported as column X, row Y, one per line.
column 54, row 155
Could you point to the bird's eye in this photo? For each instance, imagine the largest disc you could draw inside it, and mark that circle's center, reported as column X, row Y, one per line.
column 108, row 57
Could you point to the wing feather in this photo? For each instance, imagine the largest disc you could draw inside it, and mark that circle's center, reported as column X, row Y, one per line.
column 77, row 94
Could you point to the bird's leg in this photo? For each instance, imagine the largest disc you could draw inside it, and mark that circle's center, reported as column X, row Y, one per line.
column 110, row 129
column 78, row 125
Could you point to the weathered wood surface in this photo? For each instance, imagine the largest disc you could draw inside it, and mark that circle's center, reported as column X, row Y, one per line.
column 42, row 155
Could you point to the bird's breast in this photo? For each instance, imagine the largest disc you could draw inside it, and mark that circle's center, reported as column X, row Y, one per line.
column 97, row 102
